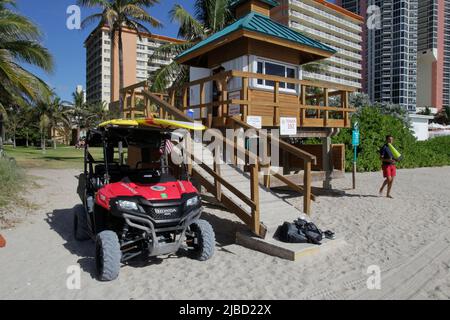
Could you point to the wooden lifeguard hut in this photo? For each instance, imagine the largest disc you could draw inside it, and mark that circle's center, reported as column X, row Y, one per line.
column 249, row 76
column 261, row 84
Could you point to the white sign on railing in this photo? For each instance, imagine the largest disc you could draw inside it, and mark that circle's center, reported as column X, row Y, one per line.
column 288, row 126
column 255, row 121
column 234, row 109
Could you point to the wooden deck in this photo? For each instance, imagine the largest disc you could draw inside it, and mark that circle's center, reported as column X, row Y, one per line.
column 309, row 104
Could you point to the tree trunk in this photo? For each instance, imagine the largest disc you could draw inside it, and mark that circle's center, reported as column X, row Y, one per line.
column 53, row 134
column 2, row 131
column 26, row 140
column 43, row 142
column 121, row 72
column 14, row 139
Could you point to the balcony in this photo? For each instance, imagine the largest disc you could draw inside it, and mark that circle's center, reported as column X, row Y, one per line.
column 326, row 15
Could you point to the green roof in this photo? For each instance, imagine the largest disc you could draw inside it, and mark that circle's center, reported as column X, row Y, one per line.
column 262, row 24
column 235, row 3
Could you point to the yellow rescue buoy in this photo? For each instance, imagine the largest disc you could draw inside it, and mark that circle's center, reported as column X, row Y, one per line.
column 397, row 155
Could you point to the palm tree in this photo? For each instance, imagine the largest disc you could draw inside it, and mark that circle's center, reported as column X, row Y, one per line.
column 58, row 116
column 19, row 43
column 96, row 113
column 52, row 113
column 210, row 17
column 119, row 15
column 78, row 111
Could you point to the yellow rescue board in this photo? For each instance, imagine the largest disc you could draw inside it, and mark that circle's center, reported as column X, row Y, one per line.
column 171, row 123
column 119, row 122
column 155, row 122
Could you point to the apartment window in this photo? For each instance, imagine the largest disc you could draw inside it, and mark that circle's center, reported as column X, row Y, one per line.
column 276, row 69
column 107, row 59
column 141, row 47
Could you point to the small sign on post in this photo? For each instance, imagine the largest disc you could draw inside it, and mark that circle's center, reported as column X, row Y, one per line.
column 355, row 143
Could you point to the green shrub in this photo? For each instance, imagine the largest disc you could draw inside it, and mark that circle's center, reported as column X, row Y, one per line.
column 374, row 126
column 12, row 180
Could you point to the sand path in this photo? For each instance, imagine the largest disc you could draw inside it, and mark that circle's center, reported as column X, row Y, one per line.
column 407, row 237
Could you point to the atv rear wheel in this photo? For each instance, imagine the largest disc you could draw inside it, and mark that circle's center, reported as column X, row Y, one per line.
column 80, row 226
column 107, row 255
column 203, row 242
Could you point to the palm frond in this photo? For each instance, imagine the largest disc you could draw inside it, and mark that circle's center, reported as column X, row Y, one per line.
column 93, row 3
column 190, row 28
column 170, row 49
column 216, row 15
column 164, row 76
column 29, row 52
column 97, row 18
column 139, row 14
column 15, row 26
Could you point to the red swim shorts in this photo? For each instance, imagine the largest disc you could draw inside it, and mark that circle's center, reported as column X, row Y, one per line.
column 389, row 170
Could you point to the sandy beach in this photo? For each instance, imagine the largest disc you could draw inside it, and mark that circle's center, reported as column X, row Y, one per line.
column 408, row 237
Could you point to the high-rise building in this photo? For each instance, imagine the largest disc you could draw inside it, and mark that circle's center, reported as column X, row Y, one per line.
column 390, row 56
column 431, row 55
column 333, row 26
column 102, row 62
column 446, row 33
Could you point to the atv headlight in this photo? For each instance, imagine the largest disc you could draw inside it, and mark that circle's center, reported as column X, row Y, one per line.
column 127, row 205
column 192, row 202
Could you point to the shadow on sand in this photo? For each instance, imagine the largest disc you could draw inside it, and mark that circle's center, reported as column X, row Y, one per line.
column 320, row 192
column 61, row 221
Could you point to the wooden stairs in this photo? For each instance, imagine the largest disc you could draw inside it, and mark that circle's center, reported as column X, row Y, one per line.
column 273, row 210
column 240, row 191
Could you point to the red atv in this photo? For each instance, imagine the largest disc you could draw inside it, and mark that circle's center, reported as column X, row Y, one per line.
column 145, row 205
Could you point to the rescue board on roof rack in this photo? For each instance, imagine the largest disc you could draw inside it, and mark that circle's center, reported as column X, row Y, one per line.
column 154, row 122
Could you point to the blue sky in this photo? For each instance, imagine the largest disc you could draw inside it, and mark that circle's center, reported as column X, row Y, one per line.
column 66, row 45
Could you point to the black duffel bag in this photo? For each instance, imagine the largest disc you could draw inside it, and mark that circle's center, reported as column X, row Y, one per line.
column 311, row 231
column 288, row 232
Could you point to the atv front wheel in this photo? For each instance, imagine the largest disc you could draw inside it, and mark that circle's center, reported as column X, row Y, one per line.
column 203, row 240
column 107, row 255
column 80, row 226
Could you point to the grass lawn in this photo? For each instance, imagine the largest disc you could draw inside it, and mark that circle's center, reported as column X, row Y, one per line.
column 61, row 158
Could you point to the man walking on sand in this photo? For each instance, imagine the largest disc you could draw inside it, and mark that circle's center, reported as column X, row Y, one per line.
column 388, row 166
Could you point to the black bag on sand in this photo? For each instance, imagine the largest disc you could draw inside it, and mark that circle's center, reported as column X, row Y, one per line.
column 311, row 231
column 288, row 232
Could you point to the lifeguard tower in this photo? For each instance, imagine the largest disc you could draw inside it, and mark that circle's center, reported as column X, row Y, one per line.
column 249, row 76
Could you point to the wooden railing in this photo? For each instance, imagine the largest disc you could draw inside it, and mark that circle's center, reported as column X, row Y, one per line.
column 308, row 160
column 252, row 220
column 133, row 94
column 310, row 110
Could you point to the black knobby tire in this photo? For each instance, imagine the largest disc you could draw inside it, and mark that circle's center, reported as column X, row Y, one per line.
column 107, row 255
column 80, row 225
column 206, row 240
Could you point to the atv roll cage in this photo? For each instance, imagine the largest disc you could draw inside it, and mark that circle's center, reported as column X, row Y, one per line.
column 143, row 204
